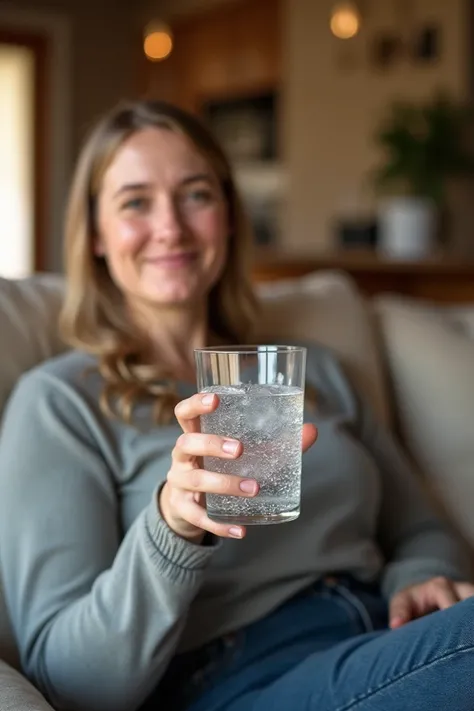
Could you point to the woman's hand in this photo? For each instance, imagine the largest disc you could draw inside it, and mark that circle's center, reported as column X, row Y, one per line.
column 418, row 600
column 182, row 502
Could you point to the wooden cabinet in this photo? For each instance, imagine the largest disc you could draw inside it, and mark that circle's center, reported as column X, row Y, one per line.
column 254, row 62
column 228, row 51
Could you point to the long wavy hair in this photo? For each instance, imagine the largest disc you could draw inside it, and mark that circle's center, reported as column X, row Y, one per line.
column 94, row 317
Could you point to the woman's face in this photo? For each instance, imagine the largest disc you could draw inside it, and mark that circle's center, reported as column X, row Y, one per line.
column 162, row 220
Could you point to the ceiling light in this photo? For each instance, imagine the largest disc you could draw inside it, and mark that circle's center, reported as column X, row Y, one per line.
column 158, row 41
column 345, row 20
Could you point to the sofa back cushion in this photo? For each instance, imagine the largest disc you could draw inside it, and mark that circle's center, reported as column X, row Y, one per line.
column 29, row 310
column 328, row 308
column 430, row 351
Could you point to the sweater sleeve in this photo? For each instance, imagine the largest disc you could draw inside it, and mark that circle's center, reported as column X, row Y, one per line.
column 418, row 545
column 97, row 618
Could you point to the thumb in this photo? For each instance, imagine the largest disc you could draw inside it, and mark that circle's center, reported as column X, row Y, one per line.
column 400, row 609
column 310, row 435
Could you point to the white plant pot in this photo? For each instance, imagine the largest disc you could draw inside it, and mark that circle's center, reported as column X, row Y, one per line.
column 407, row 228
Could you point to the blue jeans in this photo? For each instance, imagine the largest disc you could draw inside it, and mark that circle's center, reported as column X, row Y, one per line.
column 329, row 649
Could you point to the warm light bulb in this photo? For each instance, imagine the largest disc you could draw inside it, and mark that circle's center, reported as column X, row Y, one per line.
column 345, row 21
column 158, row 42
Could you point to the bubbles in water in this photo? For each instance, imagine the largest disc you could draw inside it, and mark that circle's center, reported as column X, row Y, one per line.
column 267, row 419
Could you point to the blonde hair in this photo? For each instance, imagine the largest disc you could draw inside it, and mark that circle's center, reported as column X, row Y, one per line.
column 94, row 318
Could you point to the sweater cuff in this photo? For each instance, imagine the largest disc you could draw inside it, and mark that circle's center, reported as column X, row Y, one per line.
column 176, row 557
column 413, row 571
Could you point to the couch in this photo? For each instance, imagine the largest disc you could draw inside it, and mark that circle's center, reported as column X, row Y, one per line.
column 413, row 361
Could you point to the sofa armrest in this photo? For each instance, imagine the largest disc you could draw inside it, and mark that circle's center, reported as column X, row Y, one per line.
column 17, row 693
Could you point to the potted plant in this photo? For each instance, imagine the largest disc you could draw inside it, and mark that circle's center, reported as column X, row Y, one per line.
column 426, row 148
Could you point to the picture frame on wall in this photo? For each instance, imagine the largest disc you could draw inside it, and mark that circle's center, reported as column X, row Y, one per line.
column 246, row 128
column 426, row 45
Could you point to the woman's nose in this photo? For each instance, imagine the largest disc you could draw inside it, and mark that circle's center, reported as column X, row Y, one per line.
column 167, row 222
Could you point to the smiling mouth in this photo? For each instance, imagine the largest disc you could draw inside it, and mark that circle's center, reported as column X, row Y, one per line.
column 181, row 259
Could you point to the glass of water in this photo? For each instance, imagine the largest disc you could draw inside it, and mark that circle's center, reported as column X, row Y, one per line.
column 261, row 395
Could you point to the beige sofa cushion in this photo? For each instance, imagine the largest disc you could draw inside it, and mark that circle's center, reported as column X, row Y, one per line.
column 17, row 694
column 29, row 311
column 327, row 307
column 431, row 357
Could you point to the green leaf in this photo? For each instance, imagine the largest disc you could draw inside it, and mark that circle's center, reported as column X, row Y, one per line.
column 424, row 145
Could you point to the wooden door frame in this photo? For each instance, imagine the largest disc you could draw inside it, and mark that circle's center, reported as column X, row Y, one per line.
column 39, row 44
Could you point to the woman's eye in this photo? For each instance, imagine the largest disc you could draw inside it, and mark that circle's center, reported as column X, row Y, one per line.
column 139, row 204
column 200, row 197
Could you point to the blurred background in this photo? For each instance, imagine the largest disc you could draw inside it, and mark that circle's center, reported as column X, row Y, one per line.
column 349, row 124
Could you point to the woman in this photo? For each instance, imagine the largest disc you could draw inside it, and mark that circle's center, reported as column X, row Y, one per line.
column 122, row 593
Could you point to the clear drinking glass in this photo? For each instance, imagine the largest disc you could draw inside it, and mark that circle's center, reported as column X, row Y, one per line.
column 261, row 394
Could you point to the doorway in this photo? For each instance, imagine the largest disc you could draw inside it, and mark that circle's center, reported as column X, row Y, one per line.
column 23, row 147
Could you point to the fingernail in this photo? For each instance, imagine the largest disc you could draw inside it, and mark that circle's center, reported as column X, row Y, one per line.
column 230, row 446
column 249, row 486
column 235, row 532
column 397, row 622
column 207, row 399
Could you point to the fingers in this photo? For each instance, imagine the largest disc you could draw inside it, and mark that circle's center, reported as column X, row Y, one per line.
column 443, row 592
column 464, row 590
column 185, row 514
column 188, row 411
column 195, row 444
column 310, row 435
column 200, row 480
column 196, row 515
column 401, row 609
column 417, row 600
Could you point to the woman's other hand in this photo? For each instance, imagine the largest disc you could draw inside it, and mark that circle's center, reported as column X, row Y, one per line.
column 418, row 600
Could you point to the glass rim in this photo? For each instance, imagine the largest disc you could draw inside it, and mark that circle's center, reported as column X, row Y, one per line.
column 250, row 349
